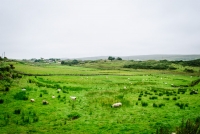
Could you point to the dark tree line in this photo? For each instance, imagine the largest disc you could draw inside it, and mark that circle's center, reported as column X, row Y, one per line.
column 70, row 62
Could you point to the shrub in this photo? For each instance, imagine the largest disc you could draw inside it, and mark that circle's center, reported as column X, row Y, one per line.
column 174, row 98
column 139, row 98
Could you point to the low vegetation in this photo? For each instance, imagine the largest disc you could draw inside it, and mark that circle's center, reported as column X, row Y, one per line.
column 36, row 97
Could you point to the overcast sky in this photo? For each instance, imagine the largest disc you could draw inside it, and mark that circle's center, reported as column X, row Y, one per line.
column 85, row 28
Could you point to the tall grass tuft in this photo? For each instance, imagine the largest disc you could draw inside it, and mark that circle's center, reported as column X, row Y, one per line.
column 73, row 116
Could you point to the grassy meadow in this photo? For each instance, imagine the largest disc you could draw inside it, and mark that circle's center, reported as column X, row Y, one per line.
column 150, row 99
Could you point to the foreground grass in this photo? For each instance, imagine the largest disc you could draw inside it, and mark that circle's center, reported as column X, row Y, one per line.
column 160, row 103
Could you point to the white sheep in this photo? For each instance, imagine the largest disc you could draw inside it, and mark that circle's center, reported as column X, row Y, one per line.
column 73, row 97
column 58, row 90
column 117, row 104
column 23, row 89
column 44, row 102
column 53, row 96
column 32, row 100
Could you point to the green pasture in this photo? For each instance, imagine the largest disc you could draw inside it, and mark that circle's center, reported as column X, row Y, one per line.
column 150, row 99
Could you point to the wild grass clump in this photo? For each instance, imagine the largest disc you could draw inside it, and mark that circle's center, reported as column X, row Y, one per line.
column 174, row 98
column 44, row 91
column 63, row 99
column 125, row 102
column 160, row 94
column 140, row 95
column 189, row 127
column 144, row 104
column 155, row 105
column 153, row 97
column 6, row 118
column 7, row 89
column 21, row 96
column 121, row 96
column 182, row 90
column 161, row 104
column 163, row 130
column 168, row 93
column 182, row 105
column 59, row 96
column 73, row 116
column 139, row 98
column 35, row 119
column 17, row 111
column 166, row 98
column 65, row 90
column 1, row 101
column 158, row 105
column 40, row 94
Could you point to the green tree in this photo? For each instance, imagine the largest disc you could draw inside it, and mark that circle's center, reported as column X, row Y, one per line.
column 119, row 58
column 111, row 58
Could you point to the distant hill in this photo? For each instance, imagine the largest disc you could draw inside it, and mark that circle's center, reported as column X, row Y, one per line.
column 147, row 57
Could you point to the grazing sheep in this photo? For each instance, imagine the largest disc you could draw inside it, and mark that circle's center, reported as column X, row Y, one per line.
column 23, row 89
column 53, row 96
column 32, row 100
column 44, row 102
column 58, row 90
column 193, row 92
column 117, row 104
column 73, row 97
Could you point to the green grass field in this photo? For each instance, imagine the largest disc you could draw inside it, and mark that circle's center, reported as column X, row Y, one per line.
column 150, row 99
